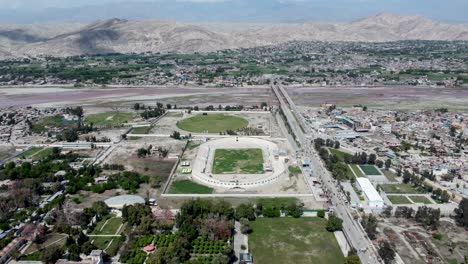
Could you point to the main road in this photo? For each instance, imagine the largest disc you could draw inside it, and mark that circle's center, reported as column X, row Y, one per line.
column 304, row 135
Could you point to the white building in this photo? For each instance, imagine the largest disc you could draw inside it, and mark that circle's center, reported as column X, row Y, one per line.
column 371, row 194
column 118, row 202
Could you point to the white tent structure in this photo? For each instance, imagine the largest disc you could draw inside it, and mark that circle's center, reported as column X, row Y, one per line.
column 118, row 202
column 371, row 194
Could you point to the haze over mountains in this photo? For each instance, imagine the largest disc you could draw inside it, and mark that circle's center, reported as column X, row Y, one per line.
column 127, row 36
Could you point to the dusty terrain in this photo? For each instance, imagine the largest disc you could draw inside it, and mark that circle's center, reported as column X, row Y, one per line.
column 124, row 36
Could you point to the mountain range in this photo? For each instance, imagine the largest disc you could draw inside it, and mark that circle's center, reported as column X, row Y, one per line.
column 137, row 36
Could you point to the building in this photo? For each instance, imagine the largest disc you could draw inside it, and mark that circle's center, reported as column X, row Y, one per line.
column 118, row 202
column 371, row 194
column 96, row 257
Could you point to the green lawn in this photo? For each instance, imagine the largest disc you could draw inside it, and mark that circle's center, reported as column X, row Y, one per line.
column 338, row 153
column 397, row 199
column 107, row 226
column 356, row 170
column 141, row 130
column 31, row 151
column 51, row 121
column 112, row 226
column 398, row 188
column 293, row 240
column 420, row 199
column 42, row 154
column 109, row 118
column 213, row 123
column 370, row 170
column 187, row 186
column 243, row 161
column 294, row 170
column 101, row 242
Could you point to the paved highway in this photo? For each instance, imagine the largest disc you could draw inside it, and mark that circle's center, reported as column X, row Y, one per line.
column 352, row 229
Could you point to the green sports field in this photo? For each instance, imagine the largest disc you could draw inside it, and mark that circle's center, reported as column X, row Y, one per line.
column 242, row 161
column 187, row 186
column 420, row 199
column 399, row 199
column 213, row 123
column 370, row 170
column 398, row 188
column 109, row 118
column 293, row 240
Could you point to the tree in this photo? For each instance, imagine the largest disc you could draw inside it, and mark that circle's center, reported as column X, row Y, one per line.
column 340, row 171
column 352, row 259
column 370, row 226
column 141, row 152
column 321, row 213
column 271, row 211
column 387, row 212
column 245, row 211
column 379, row 163
column 245, row 226
column 294, row 210
column 52, row 254
column 334, row 224
column 386, row 252
column 372, row 158
column 100, row 208
column 337, row 144
column 462, row 212
column 388, row 164
column 407, row 176
column 363, row 158
column 175, row 135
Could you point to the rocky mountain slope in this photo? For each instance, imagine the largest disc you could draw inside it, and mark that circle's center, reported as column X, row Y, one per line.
column 127, row 36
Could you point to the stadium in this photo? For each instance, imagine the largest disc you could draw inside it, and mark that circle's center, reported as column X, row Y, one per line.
column 251, row 162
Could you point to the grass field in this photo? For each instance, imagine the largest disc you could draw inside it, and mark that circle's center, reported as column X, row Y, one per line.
column 187, row 186
column 338, row 153
column 420, row 199
column 397, row 199
column 51, row 121
column 141, row 130
column 356, row 170
column 370, row 170
column 110, row 244
column 107, row 226
column 398, row 188
column 31, row 151
column 109, row 118
column 293, row 240
column 244, row 161
column 213, row 123
column 42, row 154
column 294, row 170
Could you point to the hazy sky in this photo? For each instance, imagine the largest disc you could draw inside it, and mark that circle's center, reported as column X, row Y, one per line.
column 37, row 11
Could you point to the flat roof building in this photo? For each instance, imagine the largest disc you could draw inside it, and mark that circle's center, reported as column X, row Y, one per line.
column 371, row 194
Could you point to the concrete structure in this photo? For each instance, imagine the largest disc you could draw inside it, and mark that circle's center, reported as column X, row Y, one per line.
column 202, row 166
column 371, row 194
column 118, row 202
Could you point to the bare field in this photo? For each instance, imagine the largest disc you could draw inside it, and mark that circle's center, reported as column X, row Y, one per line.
column 403, row 98
column 127, row 96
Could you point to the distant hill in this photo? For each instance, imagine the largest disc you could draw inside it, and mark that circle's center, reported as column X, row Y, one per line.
column 127, row 36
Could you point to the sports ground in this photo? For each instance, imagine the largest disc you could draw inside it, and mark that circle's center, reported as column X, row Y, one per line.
column 212, row 123
column 293, row 240
column 240, row 161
